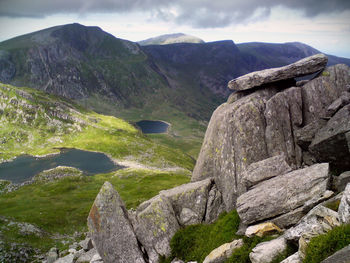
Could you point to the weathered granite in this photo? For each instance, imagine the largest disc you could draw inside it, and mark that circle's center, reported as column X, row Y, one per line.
column 223, row 252
column 262, row 229
column 266, row 251
column 285, row 193
column 344, row 206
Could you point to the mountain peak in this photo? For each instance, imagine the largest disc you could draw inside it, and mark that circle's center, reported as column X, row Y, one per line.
column 170, row 39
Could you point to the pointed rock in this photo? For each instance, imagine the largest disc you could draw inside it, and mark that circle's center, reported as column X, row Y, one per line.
column 300, row 68
column 111, row 230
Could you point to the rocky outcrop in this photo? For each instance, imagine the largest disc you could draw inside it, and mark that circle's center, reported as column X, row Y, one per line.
column 285, row 193
column 270, row 121
column 111, row 229
column 223, row 252
column 300, row 68
column 266, row 251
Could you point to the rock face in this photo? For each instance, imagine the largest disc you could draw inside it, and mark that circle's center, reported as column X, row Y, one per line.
column 111, row 230
column 285, row 193
column 268, row 122
column 266, row 251
column 300, row 68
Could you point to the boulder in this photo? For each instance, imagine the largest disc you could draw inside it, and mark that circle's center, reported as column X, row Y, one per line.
column 189, row 201
column 223, row 252
column 265, row 169
column 262, row 229
column 285, row 193
column 111, row 230
column 344, row 207
column 340, row 182
column 341, row 256
column 265, row 252
column 320, row 92
column 318, row 221
column 86, row 244
column 300, row 68
column 292, row 259
column 339, row 103
column 331, row 143
column 155, row 224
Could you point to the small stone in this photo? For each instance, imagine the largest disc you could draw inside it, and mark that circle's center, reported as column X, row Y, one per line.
column 52, row 256
column 263, row 229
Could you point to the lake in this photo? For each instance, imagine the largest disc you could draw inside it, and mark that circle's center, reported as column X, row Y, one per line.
column 148, row 126
column 24, row 167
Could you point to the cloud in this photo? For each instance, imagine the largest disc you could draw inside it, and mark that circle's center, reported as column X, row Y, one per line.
column 198, row 13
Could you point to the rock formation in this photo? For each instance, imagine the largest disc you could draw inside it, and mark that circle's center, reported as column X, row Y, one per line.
column 268, row 152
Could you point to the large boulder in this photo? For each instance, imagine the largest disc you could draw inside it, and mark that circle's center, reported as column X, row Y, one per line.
column 111, row 230
column 332, row 142
column 265, row 252
column 300, row 68
column 283, row 193
column 344, row 207
column 155, row 224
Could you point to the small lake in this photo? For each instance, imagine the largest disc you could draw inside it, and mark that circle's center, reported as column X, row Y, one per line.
column 24, row 167
column 148, row 126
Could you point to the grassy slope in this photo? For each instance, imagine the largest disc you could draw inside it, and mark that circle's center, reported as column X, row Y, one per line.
column 30, row 124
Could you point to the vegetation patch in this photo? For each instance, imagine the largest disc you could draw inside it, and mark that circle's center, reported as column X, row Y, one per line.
column 61, row 207
column 325, row 245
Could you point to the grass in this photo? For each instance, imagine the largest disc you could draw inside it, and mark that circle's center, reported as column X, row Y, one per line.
column 194, row 243
column 325, row 245
column 62, row 206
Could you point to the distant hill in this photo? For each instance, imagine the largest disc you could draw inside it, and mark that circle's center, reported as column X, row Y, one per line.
column 170, row 39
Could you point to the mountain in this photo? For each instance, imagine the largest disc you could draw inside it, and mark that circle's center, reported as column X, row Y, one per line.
column 170, row 39
column 180, row 83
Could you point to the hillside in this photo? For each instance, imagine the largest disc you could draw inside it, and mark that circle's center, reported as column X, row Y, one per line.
column 170, row 39
column 36, row 123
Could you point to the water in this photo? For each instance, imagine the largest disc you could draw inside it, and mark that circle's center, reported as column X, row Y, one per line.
column 153, row 126
column 24, row 167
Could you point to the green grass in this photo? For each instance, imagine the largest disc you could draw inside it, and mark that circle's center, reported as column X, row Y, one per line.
column 197, row 241
column 62, row 206
column 194, row 243
column 325, row 245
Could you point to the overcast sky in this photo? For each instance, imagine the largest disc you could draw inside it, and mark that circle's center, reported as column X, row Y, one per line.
column 323, row 24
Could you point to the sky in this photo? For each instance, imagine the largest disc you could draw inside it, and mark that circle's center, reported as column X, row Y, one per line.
column 322, row 24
